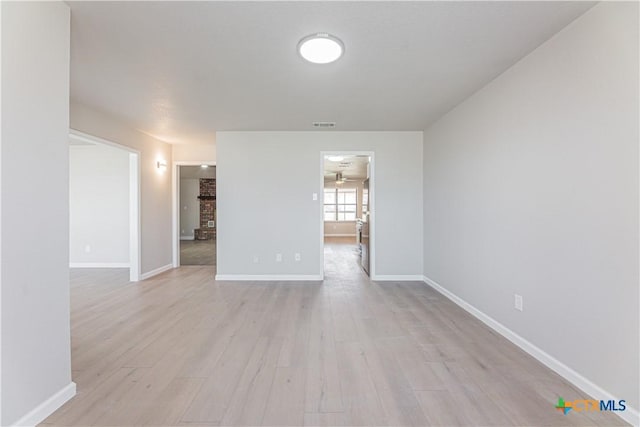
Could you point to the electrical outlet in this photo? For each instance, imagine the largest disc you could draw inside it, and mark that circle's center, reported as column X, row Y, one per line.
column 256, row 259
column 297, row 257
column 278, row 257
column 314, row 196
column 87, row 248
column 517, row 302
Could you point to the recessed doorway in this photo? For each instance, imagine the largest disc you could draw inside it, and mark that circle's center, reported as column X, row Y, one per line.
column 347, row 212
column 104, row 204
column 196, row 219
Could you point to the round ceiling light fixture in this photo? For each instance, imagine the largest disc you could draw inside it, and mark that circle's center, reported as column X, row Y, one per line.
column 335, row 158
column 321, row 48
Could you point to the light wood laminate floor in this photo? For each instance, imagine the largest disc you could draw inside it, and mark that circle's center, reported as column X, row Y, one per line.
column 198, row 252
column 181, row 349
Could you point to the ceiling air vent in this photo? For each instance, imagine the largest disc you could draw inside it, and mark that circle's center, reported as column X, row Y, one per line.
column 324, row 125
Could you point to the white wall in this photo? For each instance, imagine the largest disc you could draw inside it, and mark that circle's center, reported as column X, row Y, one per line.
column 155, row 186
column 36, row 363
column 531, row 187
column 189, row 206
column 98, row 205
column 194, row 152
column 263, row 211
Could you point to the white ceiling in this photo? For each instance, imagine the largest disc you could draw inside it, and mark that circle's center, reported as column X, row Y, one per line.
column 182, row 70
column 351, row 167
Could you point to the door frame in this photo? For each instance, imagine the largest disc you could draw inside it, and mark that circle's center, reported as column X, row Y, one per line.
column 134, row 197
column 175, row 203
column 372, row 207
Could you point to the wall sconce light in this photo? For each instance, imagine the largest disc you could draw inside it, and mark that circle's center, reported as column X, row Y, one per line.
column 161, row 165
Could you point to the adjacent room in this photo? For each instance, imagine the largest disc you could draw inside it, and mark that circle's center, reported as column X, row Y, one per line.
column 346, row 213
column 197, row 212
column 320, row 213
column 103, row 208
column 98, row 206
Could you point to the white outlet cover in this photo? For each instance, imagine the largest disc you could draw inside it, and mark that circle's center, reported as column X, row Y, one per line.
column 518, row 302
column 297, row 257
column 256, row 259
column 278, row 257
column 314, row 196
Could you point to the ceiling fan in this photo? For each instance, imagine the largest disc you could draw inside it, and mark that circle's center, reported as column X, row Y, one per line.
column 337, row 177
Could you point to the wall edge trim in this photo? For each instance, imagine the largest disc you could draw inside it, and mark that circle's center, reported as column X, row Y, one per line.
column 48, row 407
column 99, row 265
column 156, row 271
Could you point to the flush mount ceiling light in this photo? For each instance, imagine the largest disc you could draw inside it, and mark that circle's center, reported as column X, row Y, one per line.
column 320, row 48
column 335, row 158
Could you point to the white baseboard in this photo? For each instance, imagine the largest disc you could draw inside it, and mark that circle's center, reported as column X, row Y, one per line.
column 187, row 237
column 270, row 277
column 98, row 265
column 631, row 415
column 155, row 272
column 397, row 278
column 48, row 407
column 340, row 235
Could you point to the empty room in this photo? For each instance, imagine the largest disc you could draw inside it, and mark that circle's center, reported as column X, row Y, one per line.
column 320, row 213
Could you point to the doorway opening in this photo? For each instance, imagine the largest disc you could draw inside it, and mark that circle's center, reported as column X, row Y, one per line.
column 195, row 214
column 347, row 212
column 104, row 204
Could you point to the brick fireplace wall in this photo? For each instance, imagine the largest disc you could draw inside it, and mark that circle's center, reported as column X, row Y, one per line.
column 207, row 209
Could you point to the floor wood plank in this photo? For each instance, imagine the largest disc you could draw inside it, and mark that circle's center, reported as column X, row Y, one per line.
column 181, row 349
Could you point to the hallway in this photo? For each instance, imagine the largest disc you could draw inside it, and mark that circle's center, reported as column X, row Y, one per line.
column 341, row 259
column 183, row 349
column 198, row 252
